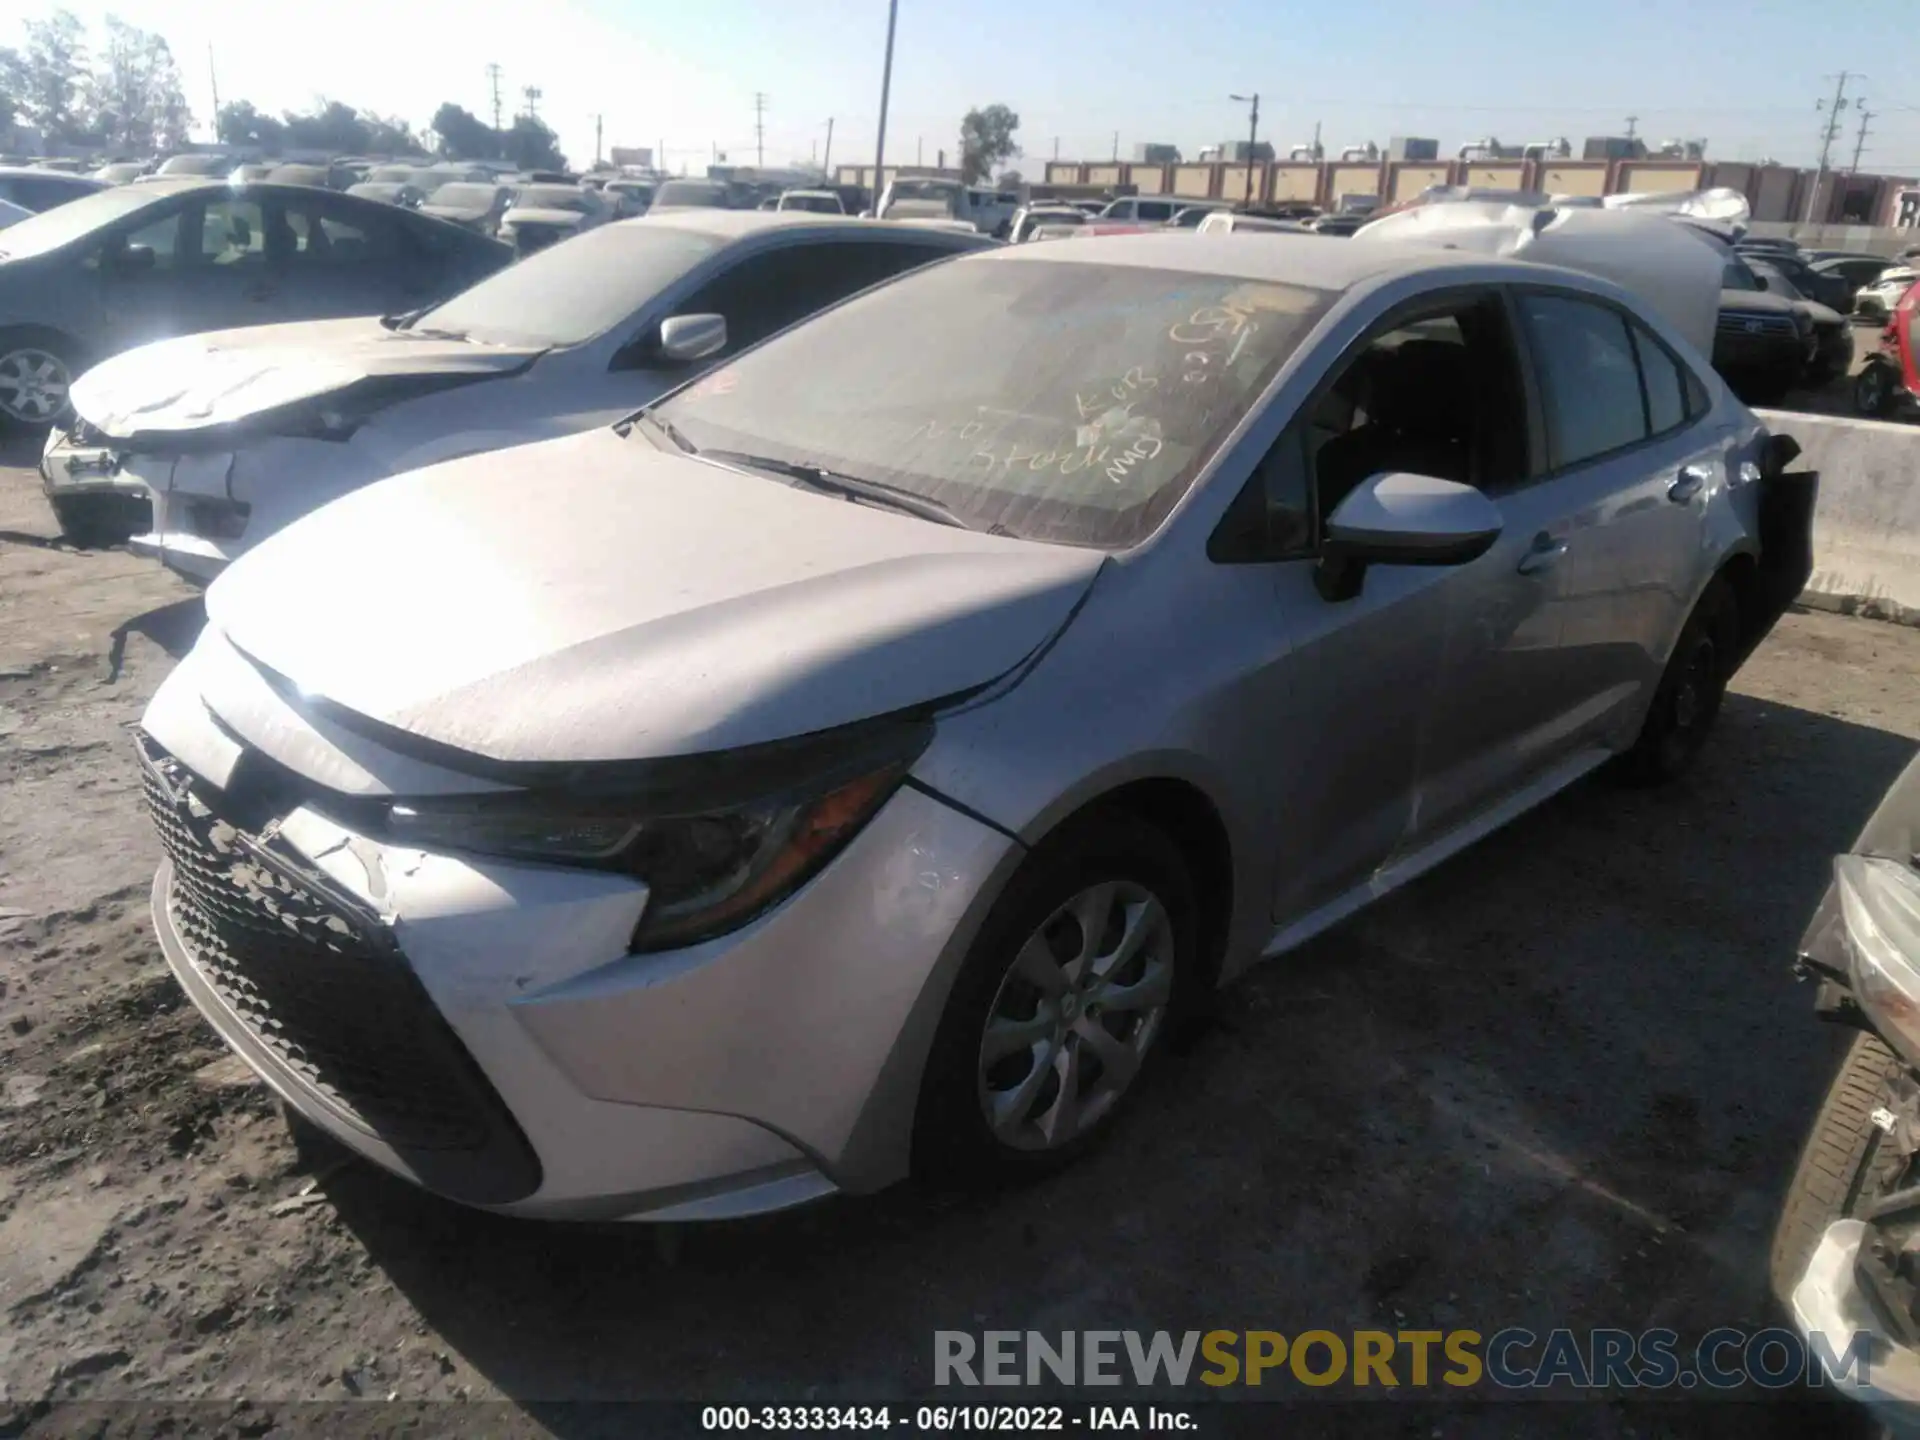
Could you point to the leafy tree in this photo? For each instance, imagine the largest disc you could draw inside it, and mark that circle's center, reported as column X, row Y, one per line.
column 13, row 86
column 531, row 145
column 330, row 126
column 54, row 72
column 1010, row 180
column 462, row 136
column 137, row 100
column 390, row 135
column 240, row 124
column 986, row 139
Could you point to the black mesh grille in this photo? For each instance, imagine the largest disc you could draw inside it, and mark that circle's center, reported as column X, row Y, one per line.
column 321, row 983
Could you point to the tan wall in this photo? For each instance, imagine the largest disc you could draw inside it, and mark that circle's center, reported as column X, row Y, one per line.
column 1731, row 176
column 1772, row 195
column 1352, row 180
column 1063, row 172
column 1296, row 182
column 1195, row 181
column 1567, row 178
column 1103, row 175
column 1148, row 179
column 1410, row 180
column 1645, row 179
column 1505, row 176
column 1242, row 184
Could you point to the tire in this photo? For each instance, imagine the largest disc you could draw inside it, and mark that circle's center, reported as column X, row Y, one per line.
column 36, row 372
column 1873, row 389
column 1687, row 701
column 1027, row 930
column 1841, row 1165
column 94, row 522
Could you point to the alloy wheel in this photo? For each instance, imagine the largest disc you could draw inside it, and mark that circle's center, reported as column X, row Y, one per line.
column 33, row 385
column 1075, row 1015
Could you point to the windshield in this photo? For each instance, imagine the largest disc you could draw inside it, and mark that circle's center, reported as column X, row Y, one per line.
column 1737, row 277
column 572, row 292
column 818, row 204
column 925, row 190
column 396, row 175
column 555, row 197
column 1088, row 398
column 465, row 196
column 703, row 194
column 66, row 223
column 1778, row 283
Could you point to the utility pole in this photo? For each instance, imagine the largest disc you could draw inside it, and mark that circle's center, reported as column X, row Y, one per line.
column 1632, row 122
column 1056, row 147
column 919, row 151
column 1860, row 141
column 213, row 78
column 886, row 84
column 597, row 121
column 1253, row 120
column 1829, row 132
column 493, row 79
column 826, row 160
column 759, row 129
column 532, row 94
column 1116, row 144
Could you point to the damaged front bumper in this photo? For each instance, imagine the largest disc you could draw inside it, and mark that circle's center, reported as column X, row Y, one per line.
column 1831, row 1301
column 479, row 1026
column 71, row 465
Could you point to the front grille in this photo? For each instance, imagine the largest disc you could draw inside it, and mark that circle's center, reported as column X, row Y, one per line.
column 1741, row 323
column 321, row 983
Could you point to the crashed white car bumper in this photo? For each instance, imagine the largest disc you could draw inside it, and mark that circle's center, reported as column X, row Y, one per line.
column 1830, row 1302
column 70, row 468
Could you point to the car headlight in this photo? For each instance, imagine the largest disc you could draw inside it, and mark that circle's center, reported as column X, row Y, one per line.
column 717, row 840
column 1880, row 908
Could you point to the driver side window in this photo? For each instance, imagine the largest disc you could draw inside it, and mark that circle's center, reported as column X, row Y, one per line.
column 1437, row 394
column 160, row 238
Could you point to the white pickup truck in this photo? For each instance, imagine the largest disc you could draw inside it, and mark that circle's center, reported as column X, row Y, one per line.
column 932, row 198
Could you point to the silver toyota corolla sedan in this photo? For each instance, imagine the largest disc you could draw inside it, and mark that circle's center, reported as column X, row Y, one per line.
column 851, row 763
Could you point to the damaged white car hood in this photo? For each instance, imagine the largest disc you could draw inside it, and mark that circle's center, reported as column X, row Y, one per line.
column 199, row 382
column 593, row 598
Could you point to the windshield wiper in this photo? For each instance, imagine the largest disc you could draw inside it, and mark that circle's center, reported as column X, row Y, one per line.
column 659, row 422
column 852, row 487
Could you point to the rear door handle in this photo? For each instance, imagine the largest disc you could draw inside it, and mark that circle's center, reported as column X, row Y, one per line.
column 1693, row 479
column 1544, row 555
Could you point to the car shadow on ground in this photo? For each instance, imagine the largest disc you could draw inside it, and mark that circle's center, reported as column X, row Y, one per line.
column 1560, row 1081
column 173, row 627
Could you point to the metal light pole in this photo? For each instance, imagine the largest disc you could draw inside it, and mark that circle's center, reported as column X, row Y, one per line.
column 886, row 84
column 1253, row 134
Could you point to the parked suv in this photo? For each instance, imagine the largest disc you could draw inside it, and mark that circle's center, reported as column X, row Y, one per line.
column 1762, row 343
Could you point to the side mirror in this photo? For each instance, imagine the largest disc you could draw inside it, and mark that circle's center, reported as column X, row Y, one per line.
column 1760, row 282
column 133, row 260
column 685, row 338
column 1396, row 518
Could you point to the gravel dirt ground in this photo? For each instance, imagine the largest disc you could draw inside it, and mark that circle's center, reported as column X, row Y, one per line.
column 1559, row 1082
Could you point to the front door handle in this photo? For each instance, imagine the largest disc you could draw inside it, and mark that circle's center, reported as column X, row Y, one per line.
column 1693, row 479
column 1544, row 555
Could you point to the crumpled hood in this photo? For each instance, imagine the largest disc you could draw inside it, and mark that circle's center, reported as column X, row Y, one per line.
column 558, row 219
column 200, row 382
column 593, row 598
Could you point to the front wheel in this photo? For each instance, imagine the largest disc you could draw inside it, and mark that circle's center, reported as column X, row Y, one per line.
column 35, row 376
column 1059, row 1005
column 1873, row 389
column 1691, row 688
column 1843, row 1164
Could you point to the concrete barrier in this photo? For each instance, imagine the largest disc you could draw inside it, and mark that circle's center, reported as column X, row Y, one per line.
column 1866, row 526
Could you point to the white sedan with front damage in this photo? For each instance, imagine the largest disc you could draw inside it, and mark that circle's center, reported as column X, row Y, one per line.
column 229, row 436
column 855, row 761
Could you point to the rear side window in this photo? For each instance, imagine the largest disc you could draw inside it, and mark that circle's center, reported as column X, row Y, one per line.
column 1666, row 392
column 1589, row 379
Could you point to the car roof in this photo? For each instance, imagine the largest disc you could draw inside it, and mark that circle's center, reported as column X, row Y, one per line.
column 730, row 225
column 37, row 173
column 1318, row 262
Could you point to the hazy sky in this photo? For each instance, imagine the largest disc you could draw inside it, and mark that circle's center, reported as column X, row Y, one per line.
column 1744, row 75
